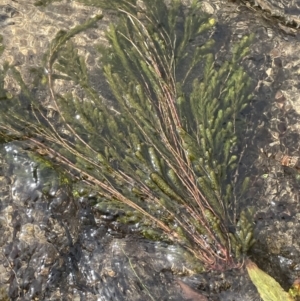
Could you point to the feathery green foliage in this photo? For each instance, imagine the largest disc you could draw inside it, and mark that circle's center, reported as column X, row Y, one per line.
column 166, row 148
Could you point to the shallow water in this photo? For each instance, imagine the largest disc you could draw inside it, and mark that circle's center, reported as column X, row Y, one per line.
column 57, row 247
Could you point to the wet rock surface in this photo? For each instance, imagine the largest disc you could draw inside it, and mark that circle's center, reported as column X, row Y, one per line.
column 55, row 247
column 284, row 12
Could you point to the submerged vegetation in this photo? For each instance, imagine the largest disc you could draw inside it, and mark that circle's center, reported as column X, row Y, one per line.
column 167, row 150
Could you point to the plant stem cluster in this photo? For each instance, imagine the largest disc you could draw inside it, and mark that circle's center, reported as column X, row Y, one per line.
column 166, row 151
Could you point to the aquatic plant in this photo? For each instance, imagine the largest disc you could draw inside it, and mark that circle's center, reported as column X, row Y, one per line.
column 166, row 150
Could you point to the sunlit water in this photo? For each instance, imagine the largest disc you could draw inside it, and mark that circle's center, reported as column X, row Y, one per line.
column 57, row 247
